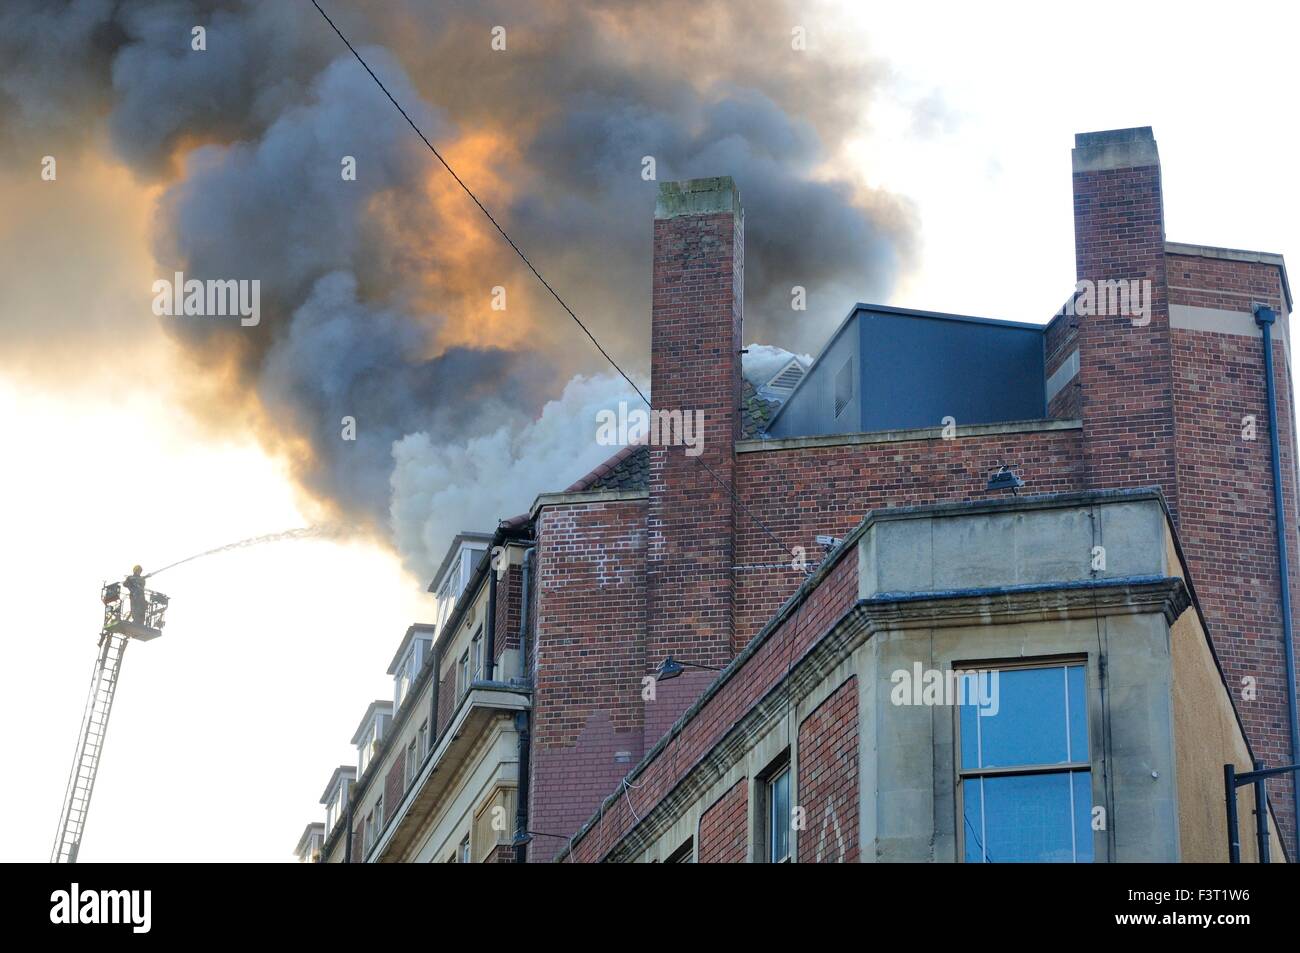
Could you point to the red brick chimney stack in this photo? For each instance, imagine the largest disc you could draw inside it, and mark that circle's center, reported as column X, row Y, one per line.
column 1125, row 363
column 697, row 307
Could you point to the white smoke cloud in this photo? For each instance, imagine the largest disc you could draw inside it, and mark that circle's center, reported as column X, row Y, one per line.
column 762, row 361
column 439, row 490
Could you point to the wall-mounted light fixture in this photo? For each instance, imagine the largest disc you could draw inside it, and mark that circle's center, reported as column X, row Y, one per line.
column 671, row 668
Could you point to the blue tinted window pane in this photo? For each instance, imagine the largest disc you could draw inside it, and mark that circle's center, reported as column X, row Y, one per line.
column 1025, row 818
column 973, row 820
column 1082, row 816
column 1078, row 713
column 969, row 728
column 1028, row 726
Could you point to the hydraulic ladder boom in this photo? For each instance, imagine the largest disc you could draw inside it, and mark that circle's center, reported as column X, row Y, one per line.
column 142, row 620
column 90, row 747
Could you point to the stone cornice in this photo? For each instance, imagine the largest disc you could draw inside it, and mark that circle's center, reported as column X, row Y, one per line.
column 1130, row 595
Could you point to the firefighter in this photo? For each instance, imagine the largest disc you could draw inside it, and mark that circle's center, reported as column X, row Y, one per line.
column 135, row 587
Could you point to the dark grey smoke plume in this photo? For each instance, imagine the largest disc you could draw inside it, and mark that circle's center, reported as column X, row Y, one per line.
column 374, row 292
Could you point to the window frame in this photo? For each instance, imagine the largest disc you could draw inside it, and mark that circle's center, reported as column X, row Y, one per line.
column 781, row 774
column 406, row 675
column 685, row 854
column 961, row 774
column 340, row 803
column 780, row 766
column 476, row 654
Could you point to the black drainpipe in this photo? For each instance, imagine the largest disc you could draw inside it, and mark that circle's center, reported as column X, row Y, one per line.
column 347, row 844
column 1265, row 317
column 490, row 643
column 433, row 692
column 522, row 723
column 521, row 794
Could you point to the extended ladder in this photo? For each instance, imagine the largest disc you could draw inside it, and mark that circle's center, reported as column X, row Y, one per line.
column 90, row 746
column 139, row 617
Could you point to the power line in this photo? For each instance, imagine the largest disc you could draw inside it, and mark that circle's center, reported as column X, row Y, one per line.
column 524, row 258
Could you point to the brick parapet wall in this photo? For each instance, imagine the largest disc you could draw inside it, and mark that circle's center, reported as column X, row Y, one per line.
column 803, row 493
column 1222, row 283
column 589, row 645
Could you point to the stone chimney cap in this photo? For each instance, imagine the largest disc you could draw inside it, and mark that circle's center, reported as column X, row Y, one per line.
column 697, row 197
column 1114, row 149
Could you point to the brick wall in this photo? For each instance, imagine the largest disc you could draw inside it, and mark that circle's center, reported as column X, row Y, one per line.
column 1226, row 523
column 1059, row 342
column 589, row 646
column 507, row 616
column 827, row 780
column 1222, row 283
column 1125, row 370
column 447, row 699
column 781, row 649
column 1059, row 339
column 827, row 490
column 394, row 785
column 529, row 648
column 696, row 306
column 724, row 828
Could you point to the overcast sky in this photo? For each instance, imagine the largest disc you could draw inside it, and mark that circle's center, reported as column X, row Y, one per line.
column 226, row 730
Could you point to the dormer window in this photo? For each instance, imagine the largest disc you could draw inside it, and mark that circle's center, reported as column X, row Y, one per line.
column 336, row 796
column 311, row 843
column 410, row 659
column 370, row 734
column 457, row 568
column 462, row 674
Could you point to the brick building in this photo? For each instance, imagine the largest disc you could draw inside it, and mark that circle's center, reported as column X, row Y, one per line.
column 1128, row 602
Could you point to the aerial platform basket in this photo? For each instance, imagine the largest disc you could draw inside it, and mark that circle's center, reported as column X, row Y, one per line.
column 134, row 630
column 120, row 619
